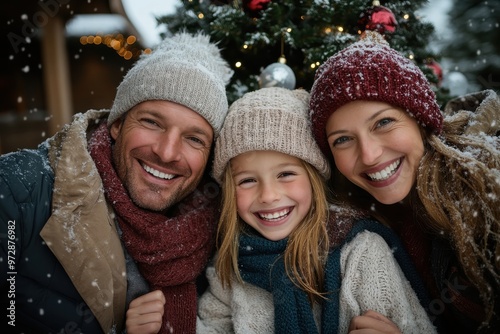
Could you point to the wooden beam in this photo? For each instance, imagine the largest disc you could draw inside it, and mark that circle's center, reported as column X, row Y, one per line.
column 56, row 74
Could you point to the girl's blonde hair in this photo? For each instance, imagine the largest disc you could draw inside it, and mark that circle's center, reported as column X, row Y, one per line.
column 307, row 247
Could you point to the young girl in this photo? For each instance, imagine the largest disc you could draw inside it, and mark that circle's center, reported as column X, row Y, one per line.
column 434, row 180
column 287, row 261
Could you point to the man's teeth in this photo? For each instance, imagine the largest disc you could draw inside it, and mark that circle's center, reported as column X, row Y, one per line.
column 386, row 173
column 275, row 215
column 158, row 173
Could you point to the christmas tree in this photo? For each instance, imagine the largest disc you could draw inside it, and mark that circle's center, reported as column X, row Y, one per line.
column 299, row 35
column 474, row 48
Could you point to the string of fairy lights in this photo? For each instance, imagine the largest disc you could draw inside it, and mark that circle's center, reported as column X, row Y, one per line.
column 125, row 47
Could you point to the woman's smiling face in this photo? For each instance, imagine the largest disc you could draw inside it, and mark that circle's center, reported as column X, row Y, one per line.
column 376, row 146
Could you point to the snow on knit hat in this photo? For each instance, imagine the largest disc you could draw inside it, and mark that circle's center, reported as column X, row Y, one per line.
column 269, row 119
column 372, row 71
column 185, row 69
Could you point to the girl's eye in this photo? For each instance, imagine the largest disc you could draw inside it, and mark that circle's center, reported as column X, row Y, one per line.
column 285, row 174
column 246, row 181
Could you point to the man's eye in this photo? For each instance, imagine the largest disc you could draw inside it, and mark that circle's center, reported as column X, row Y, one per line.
column 197, row 141
column 149, row 122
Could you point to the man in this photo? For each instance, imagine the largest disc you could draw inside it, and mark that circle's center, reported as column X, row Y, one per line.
column 117, row 203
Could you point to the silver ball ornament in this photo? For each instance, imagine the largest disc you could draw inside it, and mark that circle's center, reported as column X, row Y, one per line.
column 456, row 82
column 277, row 75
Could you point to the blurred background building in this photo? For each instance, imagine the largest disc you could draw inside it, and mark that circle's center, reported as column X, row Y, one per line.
column 60, row 57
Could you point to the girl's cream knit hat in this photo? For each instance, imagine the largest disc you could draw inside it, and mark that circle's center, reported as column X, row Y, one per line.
column 269, row 119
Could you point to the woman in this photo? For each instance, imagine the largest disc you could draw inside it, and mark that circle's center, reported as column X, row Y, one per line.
column 434, row 180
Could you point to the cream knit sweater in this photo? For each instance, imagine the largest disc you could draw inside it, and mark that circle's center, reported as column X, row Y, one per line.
column 371, row 280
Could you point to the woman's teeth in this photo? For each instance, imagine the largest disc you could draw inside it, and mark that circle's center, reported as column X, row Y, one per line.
column 386, row 173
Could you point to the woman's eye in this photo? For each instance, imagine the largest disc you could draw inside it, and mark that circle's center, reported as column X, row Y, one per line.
column 340, row 140
column 384, row 122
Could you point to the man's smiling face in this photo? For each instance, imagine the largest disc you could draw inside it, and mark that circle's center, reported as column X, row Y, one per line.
column 160, row 153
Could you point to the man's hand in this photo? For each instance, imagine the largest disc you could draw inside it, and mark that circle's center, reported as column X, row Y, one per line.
column 372, row 322
column 145, row 313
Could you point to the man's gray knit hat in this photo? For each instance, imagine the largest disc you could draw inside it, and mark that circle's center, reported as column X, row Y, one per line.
column 269, row 119
column 185, row 69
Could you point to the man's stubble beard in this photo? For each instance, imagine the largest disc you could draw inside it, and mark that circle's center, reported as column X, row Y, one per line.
column 176, row 195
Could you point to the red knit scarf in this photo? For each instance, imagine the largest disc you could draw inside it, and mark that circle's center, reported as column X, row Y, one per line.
column 170, row 251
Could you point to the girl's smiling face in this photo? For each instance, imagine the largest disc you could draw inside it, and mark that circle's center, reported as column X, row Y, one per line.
column 376, row 146
column 273, row 192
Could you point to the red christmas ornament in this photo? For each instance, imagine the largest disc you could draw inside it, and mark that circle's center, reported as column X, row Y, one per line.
column 255, row 5
column 436, row 69
column 378, row 18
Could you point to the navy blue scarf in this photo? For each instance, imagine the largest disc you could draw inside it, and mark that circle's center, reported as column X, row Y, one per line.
column 261, row 263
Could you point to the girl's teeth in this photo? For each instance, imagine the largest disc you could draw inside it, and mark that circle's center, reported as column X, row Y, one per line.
column 275, row 215
column 386, row 172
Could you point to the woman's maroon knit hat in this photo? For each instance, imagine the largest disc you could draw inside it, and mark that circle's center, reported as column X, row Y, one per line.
column 370, row 70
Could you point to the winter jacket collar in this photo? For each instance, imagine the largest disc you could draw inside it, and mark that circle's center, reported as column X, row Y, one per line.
column 81, row 231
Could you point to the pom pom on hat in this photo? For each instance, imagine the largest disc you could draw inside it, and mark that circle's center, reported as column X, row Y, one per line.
column 372, row 71
column 185, row 69
column 269, row 119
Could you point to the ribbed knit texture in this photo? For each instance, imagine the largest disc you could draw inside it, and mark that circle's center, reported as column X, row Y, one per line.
column 274, row 119
column 185, row 69
column 170, row 251
column 370, row 70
